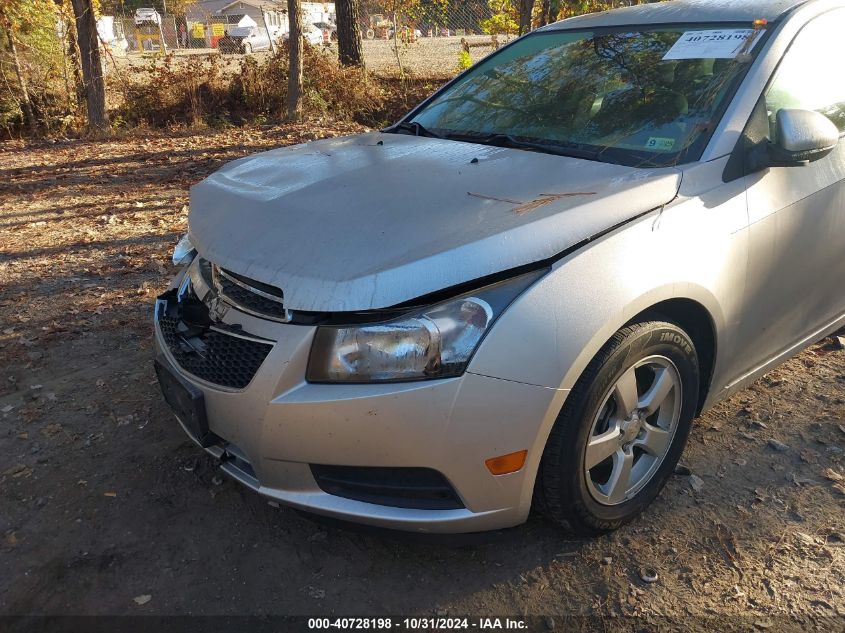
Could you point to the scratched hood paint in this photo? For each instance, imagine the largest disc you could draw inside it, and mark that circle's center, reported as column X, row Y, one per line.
column 375, row 220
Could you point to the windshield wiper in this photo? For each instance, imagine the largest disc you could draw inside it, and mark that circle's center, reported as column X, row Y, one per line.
column 572, row 150
column 508, row 140
column 418, row 129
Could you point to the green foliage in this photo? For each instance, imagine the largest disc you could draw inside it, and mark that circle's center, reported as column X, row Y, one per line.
column 424, row 11
column 500, row 24
column 464, row 60
column 32, row 24
column 504, row 19
column 505, row 13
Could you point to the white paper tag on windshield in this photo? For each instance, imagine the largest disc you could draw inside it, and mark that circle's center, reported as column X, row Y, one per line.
column 722, row 44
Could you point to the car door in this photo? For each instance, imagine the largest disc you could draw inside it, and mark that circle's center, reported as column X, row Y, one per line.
column 796, row 278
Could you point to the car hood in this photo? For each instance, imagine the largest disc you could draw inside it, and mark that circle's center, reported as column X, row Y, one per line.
column 376, row 220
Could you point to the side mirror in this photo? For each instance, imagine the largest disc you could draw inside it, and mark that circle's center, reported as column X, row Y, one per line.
column 803, row 136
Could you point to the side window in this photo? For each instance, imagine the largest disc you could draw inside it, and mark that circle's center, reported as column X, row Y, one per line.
column 810, row 75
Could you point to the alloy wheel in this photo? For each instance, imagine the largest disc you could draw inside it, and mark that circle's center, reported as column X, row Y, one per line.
column 633, row 431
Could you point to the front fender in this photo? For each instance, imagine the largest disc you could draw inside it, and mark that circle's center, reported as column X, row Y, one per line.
column 553, row 330
column 692, row 250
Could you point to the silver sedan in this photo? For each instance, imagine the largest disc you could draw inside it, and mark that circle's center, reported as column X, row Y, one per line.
column 523, row 293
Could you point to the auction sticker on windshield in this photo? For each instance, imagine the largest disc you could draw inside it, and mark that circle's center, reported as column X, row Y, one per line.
column 721, row 44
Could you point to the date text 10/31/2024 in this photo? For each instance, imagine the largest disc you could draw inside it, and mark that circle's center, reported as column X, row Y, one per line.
column 418, row 624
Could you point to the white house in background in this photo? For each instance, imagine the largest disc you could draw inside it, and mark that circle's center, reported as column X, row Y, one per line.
column 269, row 13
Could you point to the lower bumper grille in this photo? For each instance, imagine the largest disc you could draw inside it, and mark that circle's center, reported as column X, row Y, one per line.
column 416, row 488
column 210, row 354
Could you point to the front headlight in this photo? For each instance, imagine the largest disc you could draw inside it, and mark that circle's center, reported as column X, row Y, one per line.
column 184, row 252
column 431, row 342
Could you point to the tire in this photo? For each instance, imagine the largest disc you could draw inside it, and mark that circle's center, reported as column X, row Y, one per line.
column 247, row 49
column 644, row 357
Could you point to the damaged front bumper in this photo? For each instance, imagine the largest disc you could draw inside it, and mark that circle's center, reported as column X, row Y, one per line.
column 406, row 455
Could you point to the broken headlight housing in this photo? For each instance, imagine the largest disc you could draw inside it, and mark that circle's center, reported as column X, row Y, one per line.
column 184, row 252
column 437, row 341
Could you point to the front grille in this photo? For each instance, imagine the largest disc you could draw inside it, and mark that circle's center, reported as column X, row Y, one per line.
column 210, row 354
column 417, row 488
column 249, row 295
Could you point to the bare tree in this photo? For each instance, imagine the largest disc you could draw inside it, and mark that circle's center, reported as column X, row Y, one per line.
column 295, row 70
column 350, row 47
column 92, row 67
column 526, row 8
column 25, row 101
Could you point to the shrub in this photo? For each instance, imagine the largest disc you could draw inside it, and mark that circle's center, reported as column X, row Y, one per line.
column 195, row 90
column 464, row 60
column 181, row 91
column 329, row 88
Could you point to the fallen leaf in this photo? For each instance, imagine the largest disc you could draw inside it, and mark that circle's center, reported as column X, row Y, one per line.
column 832, row 475
column 696, row 483
column 18, row 470
column 52, row 430
column 778, row 445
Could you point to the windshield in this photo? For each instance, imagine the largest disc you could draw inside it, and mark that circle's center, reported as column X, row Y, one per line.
column 632, row 97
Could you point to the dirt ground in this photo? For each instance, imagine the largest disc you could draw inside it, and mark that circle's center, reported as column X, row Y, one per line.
column 107, row 508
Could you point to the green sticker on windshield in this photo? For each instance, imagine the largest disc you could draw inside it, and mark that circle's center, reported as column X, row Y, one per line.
column 660, row 144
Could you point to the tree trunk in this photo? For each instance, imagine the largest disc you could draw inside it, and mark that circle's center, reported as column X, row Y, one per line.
column 92, row 67
column 71, row 54
column 295, row 70
column 549, row 12
column 26, row 102
column 554, row 11
column 350, row 48
column 76, row 67
column 545, row 10
column 526, row 7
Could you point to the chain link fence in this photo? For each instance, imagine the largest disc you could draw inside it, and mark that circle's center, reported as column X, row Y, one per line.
column 429, row 39
column 439, row 39
column 170, row 33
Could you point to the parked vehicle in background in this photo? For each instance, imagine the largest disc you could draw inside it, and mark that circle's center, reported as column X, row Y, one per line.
column 245, row 40
column 523, row 293
column 147, row 16
column 326, row 26
column 311, row 33
column 379, row 28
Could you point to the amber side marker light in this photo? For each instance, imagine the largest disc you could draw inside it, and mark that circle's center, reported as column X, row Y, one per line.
column 504, row 464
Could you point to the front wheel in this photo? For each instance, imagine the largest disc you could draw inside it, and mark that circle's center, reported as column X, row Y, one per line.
column 247, row 49
column 622, row 429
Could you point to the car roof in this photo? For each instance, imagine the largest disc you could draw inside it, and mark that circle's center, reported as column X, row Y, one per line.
column 684, row 11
